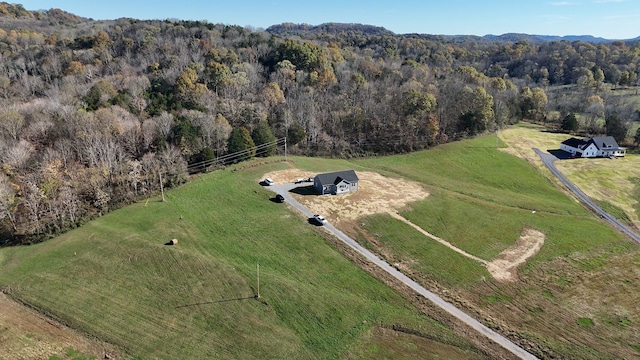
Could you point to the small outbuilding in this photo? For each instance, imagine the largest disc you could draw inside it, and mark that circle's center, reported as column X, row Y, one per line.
column 602, row 146
column 339, row 182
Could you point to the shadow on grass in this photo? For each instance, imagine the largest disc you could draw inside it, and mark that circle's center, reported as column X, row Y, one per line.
column 215, row 302
column 304, row 190
column 555, row 131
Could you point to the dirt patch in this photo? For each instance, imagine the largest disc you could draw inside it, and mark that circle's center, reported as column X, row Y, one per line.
column 504, row 266
column 25, row 334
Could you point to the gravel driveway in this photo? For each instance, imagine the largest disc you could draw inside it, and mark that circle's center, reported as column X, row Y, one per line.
column 549, row 159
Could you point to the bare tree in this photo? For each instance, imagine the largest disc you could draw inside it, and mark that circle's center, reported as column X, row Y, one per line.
column 149, row 133
column 151, row 167
column 8, row 201
column 16, row 156
column 135, row 177
column 164, row 123
column 33, row 201
column 11, row 122
column 71, row 207
column 222, row 132
column 205, row 123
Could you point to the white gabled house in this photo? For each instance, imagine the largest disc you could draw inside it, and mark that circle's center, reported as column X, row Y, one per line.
column 336, row 182
column 602, row 146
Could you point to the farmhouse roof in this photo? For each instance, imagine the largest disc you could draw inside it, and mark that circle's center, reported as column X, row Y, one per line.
column 337, row 177
column 605, row 142
column 601, row 143
column 574, row 143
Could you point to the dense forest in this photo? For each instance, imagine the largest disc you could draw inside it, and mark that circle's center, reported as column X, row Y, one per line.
column 97, row 114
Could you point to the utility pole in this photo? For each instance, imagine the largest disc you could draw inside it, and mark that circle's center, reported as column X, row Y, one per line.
column 161, row 186
column 285, row 149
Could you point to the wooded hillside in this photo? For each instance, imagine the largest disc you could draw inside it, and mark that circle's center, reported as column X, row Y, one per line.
column 96, row 114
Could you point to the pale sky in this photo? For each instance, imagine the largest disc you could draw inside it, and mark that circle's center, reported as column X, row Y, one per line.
column 611, row 19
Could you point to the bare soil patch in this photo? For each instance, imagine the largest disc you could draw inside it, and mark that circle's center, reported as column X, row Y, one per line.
column 26, row 334
column 504, row 266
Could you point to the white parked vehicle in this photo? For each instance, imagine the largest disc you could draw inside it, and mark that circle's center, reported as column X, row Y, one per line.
column 320, row 219
column 268, row 181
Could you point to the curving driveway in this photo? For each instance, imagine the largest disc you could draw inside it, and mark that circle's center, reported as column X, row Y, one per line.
column 284, row 190
column 548, row 160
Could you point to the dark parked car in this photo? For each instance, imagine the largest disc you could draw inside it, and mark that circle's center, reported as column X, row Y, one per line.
column 279, row 198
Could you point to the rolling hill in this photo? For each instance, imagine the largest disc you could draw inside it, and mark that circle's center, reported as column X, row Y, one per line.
column 115, row 279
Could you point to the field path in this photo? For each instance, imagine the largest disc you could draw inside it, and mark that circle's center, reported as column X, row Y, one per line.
column 397, row 216
column 284, row 190
column 503, row 267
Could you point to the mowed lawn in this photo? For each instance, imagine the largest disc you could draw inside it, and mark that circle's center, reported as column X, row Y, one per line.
column 115, row 279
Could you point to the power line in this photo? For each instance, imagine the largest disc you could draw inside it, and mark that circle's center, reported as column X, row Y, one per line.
column 235, row 156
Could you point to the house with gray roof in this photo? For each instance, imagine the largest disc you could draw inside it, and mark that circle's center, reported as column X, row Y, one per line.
column 601, row 146
column 338, row 182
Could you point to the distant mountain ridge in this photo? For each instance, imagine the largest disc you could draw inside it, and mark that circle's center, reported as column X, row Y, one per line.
column 547, row 38
column 56, row 16
column 16, row 11
column 302, row 30
column 291, row 29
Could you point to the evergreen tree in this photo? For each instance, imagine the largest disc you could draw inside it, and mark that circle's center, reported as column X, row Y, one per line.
column 263, row 137
column 570, row 123
column 615, row 127
column 241, row 144
column 295, row 134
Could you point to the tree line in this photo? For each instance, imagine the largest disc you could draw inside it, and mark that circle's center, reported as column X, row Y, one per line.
column 97, row 114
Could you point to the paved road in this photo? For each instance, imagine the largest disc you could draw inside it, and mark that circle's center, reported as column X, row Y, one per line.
column 548, row 160
column 284, row 189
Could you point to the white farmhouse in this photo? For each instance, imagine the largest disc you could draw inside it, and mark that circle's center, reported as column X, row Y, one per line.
column 602, row 146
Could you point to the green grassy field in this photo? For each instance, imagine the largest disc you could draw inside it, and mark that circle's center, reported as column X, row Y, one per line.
column 481, row 199
column 115, row 279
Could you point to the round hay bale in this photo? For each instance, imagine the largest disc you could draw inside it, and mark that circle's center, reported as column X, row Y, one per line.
column 173, row 242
